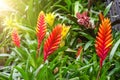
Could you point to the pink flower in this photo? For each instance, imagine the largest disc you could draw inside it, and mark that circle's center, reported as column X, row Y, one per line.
column 83, row 19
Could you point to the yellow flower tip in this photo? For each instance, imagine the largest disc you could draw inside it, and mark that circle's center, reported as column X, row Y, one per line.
column 41, row 13
column 65, row 30
column 50, row 17
column 62, row 43
column 110, row 44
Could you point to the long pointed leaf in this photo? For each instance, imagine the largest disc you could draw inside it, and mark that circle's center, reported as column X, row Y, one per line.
column 114, row 49
column 107, row 9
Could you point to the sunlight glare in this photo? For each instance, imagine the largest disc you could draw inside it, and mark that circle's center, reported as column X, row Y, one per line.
column 4, row 6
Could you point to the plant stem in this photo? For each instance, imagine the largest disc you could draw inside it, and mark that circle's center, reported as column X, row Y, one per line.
column 37, row 54
column 98, row 75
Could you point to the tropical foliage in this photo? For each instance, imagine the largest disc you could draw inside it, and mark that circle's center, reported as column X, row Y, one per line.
column 58, row 40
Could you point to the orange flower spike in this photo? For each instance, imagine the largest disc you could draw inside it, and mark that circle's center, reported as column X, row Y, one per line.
column 15, row 38
column 53, row 41
column 104, row 40
column 41, row 29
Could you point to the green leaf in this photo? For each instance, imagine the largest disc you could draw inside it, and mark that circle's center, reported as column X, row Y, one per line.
column 62, row 7
column 4, row 55
column 22, row 72
column 70, row 50
column 114, row 49
column 107, row 9
column 17, row 52
column 84, row 77
column 45, row 74
column 86, row 66
column 76, row 78
column 118, row 53
column 89, row 37
column 113, row 71
column 61, row 49
column 38, row 70
column 3, row 76
column 76, row 7
column 87, row 45
column 30, row 58
column 68, row 2
column 25, row 28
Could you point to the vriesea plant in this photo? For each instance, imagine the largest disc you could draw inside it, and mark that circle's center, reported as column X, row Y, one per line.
column 34, row 60
column 49, row 53
column 104, row 40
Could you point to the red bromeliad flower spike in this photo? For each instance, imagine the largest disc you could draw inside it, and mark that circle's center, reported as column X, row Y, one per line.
column 53, row 41
column 15, row 37
column 41, row 29
column 104, row 39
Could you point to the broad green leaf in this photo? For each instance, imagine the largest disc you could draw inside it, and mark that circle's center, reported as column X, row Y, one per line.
column 76, row 7
column 68, row 2
column 114, row 49
column 22, row 51
column 107, row 9
column 45, row 74
column 87, row 45
column 22, row 72
column 4, row 76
